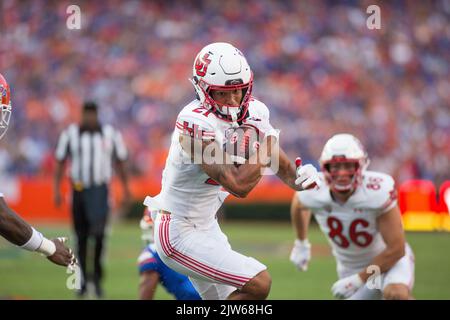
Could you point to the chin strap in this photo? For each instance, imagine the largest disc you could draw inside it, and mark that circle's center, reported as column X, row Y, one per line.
column 233, row 118
column 353, row 185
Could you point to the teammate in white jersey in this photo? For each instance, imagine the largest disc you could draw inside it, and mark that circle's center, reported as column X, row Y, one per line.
column 357, row 210
column 12, row 227
column 198, row 176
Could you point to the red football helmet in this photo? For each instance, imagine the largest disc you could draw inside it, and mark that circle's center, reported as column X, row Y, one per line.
column 5, row 114
column 343, row 162
column 221, row 66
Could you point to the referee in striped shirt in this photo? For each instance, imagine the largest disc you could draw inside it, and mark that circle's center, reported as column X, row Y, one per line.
column 93, row 148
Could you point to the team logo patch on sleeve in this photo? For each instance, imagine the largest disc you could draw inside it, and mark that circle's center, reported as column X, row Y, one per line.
column 194, row 130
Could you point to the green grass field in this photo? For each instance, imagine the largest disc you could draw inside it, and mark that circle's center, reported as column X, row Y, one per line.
column 25, row 275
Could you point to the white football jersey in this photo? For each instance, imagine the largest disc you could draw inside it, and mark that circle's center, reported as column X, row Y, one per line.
column 186, row 190
column 351, row 228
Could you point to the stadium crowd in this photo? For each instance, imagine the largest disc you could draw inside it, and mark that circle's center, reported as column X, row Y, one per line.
column 317, row 66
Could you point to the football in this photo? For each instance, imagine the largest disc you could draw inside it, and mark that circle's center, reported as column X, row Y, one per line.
column 242, row 142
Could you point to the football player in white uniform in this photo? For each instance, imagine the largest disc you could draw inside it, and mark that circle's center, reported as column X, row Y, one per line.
column 187, row 236
column 357, row 211
column 12, row 227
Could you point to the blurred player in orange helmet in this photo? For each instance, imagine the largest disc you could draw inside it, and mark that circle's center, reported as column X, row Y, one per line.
column 12, row 227
column 357, row 210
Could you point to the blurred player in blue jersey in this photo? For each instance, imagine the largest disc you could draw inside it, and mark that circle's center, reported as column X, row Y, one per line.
column 153, row 271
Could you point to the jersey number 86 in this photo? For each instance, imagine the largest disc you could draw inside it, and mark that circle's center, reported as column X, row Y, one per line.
column 359, row 238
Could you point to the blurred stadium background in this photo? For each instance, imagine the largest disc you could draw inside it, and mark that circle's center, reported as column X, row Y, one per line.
column 317, row 66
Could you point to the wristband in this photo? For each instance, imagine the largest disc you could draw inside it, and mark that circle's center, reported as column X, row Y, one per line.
column 39, row 243
column 47, row 248
column 34, row 242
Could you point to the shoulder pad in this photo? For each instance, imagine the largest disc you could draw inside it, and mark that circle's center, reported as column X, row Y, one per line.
column 258, row 109
column 196, row 121
column 381, row 190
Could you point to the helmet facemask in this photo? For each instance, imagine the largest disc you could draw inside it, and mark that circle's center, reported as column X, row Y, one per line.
column 343, row 175
column 230, row 113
